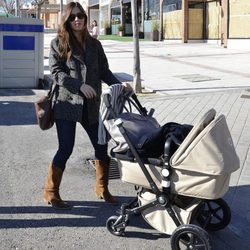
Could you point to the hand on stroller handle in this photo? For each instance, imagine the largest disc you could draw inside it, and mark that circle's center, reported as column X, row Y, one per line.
column 128, row 87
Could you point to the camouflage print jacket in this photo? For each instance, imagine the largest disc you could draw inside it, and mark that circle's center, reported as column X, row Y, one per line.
column 91, row 68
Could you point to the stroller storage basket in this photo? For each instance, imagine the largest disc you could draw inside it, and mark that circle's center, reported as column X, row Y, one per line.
column 130, row 172
column 160, row 219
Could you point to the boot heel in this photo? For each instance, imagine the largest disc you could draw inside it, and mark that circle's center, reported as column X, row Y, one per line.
column 99, row 197
column 101, row 187
column 46, row 202
column 51, row 194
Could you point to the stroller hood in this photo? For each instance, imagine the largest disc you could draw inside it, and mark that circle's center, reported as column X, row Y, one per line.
column 208, row 148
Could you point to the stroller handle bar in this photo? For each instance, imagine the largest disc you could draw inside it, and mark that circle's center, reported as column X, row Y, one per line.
column 143, row 109
column 134, row 101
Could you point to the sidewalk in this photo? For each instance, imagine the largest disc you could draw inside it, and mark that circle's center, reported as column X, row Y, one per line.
column 182, row 68
column 178, row 68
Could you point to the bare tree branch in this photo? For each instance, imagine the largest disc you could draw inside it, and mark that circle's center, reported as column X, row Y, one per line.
column 9, row 6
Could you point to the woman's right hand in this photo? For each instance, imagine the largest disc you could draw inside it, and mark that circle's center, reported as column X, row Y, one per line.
column 88, row 91
column 128, row 87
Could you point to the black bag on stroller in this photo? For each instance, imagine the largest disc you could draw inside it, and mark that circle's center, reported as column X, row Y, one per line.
column 151, row 144
column 143, row 130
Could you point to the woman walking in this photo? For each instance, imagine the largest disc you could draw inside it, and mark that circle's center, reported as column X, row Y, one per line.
column 95, row 30
column 78, row 66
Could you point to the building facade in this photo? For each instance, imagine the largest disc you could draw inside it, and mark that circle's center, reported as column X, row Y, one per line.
column 221, row 21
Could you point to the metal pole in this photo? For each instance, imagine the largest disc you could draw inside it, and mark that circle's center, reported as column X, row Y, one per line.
column 17, row 11
column 61, row 10
column 137, row 67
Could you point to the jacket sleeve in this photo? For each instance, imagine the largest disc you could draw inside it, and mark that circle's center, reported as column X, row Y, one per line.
column 106, row 75
column 60, row 71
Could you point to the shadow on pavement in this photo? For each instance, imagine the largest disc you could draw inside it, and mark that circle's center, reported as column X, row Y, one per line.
column 87, row 214
column 17, row 92
column 146, row 236
column 124, row 76
column 238, row 199
column 17, row 113
column 95, row 214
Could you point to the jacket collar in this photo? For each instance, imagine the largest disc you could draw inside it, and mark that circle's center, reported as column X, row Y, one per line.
column 78, row 57
column 86, row 57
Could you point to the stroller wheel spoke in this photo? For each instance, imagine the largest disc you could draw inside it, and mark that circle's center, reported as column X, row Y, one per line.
column 215, row 210
column 218, row 217
column 215, row 215
column 192, row 239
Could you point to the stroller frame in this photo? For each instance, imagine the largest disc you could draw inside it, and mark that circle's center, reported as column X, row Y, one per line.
column 162, row 197
column 184, row 233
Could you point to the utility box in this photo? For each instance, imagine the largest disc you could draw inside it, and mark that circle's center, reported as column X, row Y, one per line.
column 21, row 52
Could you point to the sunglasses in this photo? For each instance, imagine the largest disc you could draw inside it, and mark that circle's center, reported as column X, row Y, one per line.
column 79, row 15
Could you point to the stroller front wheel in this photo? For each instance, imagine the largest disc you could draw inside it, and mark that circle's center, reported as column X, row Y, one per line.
column 114, row 225
column 190, row 237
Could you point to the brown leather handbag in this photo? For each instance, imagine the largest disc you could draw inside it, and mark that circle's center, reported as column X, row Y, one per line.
column 44, row 110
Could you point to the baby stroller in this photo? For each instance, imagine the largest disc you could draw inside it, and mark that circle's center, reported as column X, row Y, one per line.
column 181, row 171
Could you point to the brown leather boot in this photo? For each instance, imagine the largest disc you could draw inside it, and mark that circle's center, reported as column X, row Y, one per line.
column 51, row 189
column 102, row 176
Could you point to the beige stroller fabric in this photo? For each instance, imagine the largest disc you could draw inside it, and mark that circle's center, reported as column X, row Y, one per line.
column 130, row 172
column 159, row 218
column 205, row 160
column 202, row 165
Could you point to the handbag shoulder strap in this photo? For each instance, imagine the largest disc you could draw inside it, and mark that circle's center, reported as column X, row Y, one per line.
column 52, row 90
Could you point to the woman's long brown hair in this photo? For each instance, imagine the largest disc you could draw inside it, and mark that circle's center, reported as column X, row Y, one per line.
column 67, row 39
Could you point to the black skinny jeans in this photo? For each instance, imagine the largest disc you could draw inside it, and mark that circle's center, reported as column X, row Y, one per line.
column 66, row 131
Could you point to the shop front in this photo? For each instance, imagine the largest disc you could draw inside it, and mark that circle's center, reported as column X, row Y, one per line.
column 116, row 17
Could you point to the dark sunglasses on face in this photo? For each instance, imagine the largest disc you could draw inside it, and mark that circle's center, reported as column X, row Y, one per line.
column 79, row 15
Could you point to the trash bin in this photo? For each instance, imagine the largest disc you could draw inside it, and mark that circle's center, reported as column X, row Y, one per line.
column 21, row 53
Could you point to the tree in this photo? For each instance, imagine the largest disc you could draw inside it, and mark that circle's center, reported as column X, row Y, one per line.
column 38, row 4
column 8, row 6
column 137, row 68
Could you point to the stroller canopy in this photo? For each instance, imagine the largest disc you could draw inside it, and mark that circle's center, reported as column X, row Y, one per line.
column 208, row 148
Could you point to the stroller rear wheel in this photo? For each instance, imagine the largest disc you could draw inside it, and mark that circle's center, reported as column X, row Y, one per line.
column 214, row 215
column 115, row 225
column 190, row 237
